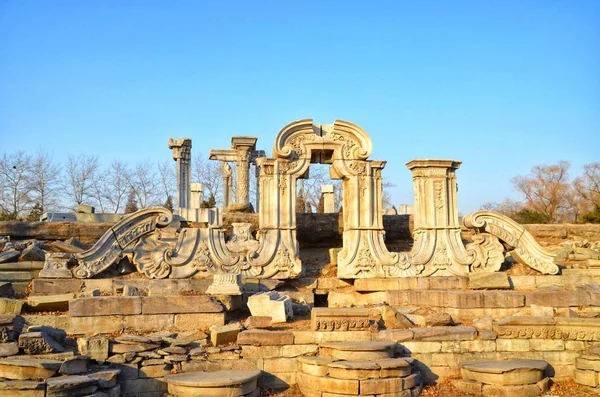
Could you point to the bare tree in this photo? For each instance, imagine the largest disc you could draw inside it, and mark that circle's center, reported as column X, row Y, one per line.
column 145, row 184
column 166, row 172
column 546, row 189
column 209, row 173
column 16, row 191
column 588, row 185
column 44, row 180
column 117, row 187
column 81, row 171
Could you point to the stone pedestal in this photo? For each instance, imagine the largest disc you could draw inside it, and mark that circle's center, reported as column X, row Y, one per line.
column 241, row 238
column 225, row 284
column 56, row 266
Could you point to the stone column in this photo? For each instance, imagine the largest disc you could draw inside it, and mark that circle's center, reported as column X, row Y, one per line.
column 328, row 199
column 227, row 188
column 197, row 195
column 257, row 171
column 182, row 154
column 243, row 146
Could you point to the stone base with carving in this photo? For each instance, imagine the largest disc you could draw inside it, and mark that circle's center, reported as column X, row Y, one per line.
column 56, row 266
column 226, row 284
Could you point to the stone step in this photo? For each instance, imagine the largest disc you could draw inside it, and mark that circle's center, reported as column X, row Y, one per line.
column 229, row 383
column 504, row 372
column 385, row 368
column 357, row 351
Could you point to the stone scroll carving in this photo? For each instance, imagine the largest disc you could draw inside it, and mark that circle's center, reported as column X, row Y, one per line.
column 109, row 248
column 521, row 244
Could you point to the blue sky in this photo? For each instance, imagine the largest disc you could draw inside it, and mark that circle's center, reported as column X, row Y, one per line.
column 499, row 85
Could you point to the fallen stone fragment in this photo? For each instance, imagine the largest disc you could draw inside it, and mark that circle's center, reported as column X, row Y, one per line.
column 8, row 349
column 133, row 348
column 95, row 347
column 11, row 255
column 106, row 378
column 223, row 335
column 257, row 322
column 10, row 306
column 32, row 253
column 24, row 388
column 24, row 369
column 394, row 320
column 39, row 343
column 133, row 339
column 438, row 320
column 70, row 386
column 272, row 303
column 39, row 303
column 6, row 289
column 75, row 365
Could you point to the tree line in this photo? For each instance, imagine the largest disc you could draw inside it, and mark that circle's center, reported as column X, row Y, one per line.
column 551, row 196
column 33, row 184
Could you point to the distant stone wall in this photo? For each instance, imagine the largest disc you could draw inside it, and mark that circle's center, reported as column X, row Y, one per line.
column 312, row 229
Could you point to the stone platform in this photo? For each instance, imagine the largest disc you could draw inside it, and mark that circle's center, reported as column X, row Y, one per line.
column 219, row 383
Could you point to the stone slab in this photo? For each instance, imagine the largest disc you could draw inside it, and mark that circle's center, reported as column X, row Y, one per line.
column 504, row 372
column 105, row 306
column 495, row 280
column 180, row 304
column 265, row 338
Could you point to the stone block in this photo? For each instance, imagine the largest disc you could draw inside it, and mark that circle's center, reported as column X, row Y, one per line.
column 92, row 324
column 10, row 306
column 444, row 333
column 9, row 256
column 422, row 347
column 32, row 253
column 139, row 387
column 381, row 386
column 257, row 322
column 588, row 363
column 224, row 335
column 16, row 276
column 496, row 280
column 225, row 284
column 547, row 344
column 155, row 371
column 511, row 391
column 38, row 343
column 194, row 321
column 25, row 368
column 393, row 319
column 105, row 306
column 274, row 304
column 503, row 299
column 376, row 284
column 513, row 345
column 180, row 304
column 331, row 385
column 468, row 386
column 558, row 298
column 265, row 338
column 340, row 319
column 298, row 350
column 280, row 365
column 148, row 322
column 75, row 365
column 309, row 337
column 55, row 286
column 464, row 299
column 41, row 303
column 8, row 349
column 20, row 388
column 586, row 378
column 106, row 378
column 396, row 335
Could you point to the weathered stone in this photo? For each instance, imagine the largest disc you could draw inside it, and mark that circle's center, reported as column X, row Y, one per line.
column 317, row 366
column 42, row 303
column 55, row 286
column 95, row 347
column 158, row 370
column 219, row 383
column 39, row 343
column 70, row 386
column 511, row 391
column 586, row 362
column 503, row 299
column 22, row 388
column 513, row 345
column 507, row 372
column 57, row 334
column 468, row 386
column 495, row 280
column 438, row 320
column 24, row 369
column 257, row 322
column 558, row 298
column 56, row 266
column 75, row 365
column 10, row 306
column 132, row 339
column 6, row 289
column 180, row 304
column 65, row 247
column 396, row 335
column 32, row 253
column 9, row 256
column 484, row 324
column 586, row 377
column 445, row 333
column 394, row 320
column 105, row 378
column 274, row 304
column 357, row 351
column 225, row 284
column 8, row 349
column 223, row 335
column 340, row 319
column 130, row 290
column 105, row 306
column 132, row 348
column 265, row 338
column 325, row 384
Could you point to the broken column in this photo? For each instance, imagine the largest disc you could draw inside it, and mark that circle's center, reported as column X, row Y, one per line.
column 182, row 154
column 328, row 199
column 197, row 195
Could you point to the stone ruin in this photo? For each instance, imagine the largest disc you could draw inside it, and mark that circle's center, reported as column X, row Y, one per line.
column 227, row 301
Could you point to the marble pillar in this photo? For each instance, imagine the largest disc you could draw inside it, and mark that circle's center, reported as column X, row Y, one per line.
column 182, row 154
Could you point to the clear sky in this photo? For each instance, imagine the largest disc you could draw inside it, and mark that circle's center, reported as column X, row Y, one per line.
column 499, row 85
